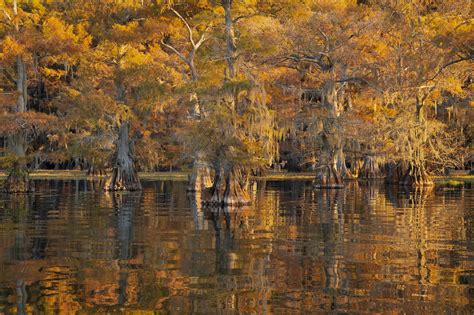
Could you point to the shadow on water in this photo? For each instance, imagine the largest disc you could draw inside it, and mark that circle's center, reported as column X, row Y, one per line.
column 365, row 248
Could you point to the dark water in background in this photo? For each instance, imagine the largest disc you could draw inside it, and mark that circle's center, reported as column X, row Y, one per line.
column 362, row 249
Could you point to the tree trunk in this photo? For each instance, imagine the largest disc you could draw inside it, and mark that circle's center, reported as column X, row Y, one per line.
column 200, row 178
column 341, row 163
column 228, row 188
column 21, row 85
column 416, row 176
column 356, row 166
column 395, row 172
column 231, row 51
column 18, row 180
column 218, row 187
column 370, row 168
column 124, row 175
column 328, row 175
column 235, row 193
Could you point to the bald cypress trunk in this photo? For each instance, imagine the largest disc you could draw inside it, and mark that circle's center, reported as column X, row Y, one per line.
column 395, row 172
column 124, row 175
column 18, row 180
column 328, row 174
column 228, row 188
column 231, row 47
column 21, row 85
column 370, row 169
column 235, row 192
column 200, row 177
column 218, row 187
column 416, row 176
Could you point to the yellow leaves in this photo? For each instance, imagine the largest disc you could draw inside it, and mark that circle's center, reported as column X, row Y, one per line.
column 125, row 33
column 338, row 5
column 453, row 84
column 136, row 58
column 10, row 49
column 56, row 30
column 61, row 41
column 262, row 35
column 53, row 73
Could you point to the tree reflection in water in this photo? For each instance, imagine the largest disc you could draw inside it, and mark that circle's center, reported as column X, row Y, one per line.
column 365, row 248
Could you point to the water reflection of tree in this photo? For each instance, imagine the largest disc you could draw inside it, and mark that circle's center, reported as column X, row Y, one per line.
column 124, row 204
column 432, row 220
column 241, row 273
column 331, row 207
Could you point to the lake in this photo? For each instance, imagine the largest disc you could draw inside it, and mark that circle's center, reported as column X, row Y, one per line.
column 71, row 248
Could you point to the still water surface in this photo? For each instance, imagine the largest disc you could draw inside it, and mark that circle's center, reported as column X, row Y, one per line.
column 364, row 249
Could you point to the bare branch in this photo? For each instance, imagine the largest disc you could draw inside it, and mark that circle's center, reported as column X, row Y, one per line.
column 7, row 15
column 237, row 19
column 203, row 37
column 180, row 55
column 190, row 30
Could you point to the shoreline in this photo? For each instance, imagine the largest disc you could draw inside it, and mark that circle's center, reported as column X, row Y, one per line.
column 183, row 176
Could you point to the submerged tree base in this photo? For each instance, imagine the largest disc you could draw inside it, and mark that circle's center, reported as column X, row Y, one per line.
column 403, row 174
column 18, row 182
column 395, row 172
column 328, row 178
column 417, row 179
column 370, row 169
column 228, row 192
column 199, row 180
column 123, row 179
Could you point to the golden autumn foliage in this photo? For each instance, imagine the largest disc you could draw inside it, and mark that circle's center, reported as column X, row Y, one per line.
column 93, row 65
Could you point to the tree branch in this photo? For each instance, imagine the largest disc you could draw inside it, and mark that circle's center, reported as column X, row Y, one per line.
column 180, row 55
column 360, row 79
column 469, row 57
column 7, row 15
column 190, row 31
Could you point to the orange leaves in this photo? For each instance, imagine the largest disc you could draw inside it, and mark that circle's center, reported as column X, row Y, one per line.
column 25, row 123
column 10, row 49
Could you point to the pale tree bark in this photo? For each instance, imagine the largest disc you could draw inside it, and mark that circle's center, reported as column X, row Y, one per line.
column 328, row 175
column 341, row 162
column 124, row 176
column 200, row 177
column 21, row 85
column 18, row 180
column 235, row 191
column 195, row 45
column 231, row 46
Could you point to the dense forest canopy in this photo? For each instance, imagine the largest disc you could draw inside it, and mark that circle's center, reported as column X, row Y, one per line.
column 229, row 88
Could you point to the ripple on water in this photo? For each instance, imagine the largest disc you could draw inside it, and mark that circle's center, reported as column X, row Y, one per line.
column 366, row 248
